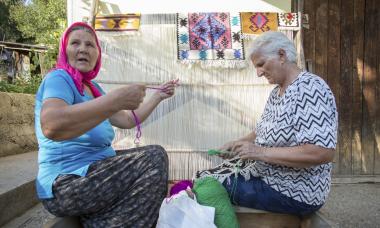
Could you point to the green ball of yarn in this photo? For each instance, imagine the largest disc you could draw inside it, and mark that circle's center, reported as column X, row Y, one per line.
column 210, row 192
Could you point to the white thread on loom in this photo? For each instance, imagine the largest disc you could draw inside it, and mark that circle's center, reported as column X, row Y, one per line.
column 211, row 107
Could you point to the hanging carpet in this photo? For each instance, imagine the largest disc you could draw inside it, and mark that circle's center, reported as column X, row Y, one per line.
column 117, row 22
column 211, row 37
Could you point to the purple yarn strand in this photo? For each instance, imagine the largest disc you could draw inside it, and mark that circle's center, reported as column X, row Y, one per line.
column 138, row 126
column 137, row 120
column 157, row 88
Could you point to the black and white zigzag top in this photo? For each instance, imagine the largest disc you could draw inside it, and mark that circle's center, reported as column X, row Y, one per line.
column 305, row 114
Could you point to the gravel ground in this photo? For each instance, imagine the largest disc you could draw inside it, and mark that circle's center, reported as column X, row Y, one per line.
column 354, row 205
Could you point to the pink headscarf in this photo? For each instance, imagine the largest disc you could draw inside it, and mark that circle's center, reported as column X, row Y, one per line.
column 78, row 77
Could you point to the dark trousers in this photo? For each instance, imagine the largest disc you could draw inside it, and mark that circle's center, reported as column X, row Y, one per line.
column 121, row 191
column 255, row 193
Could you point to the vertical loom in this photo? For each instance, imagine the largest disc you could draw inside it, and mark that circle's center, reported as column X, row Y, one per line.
column 211, row 107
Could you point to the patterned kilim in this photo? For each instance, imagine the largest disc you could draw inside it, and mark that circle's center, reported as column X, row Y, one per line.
column 288, row 21
column 209, row 36
column 117, row 22
column 256, row 23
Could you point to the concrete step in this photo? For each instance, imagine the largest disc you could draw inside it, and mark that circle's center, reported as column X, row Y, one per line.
column 35, row 217
column 17, row 188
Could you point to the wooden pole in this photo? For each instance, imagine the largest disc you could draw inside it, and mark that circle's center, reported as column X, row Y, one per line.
column 299, row 36
column 93, row 12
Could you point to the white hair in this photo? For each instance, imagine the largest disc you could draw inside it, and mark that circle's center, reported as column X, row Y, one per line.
column 269, row 43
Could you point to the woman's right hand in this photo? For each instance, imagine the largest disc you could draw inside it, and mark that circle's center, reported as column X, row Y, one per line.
column 129, row 97
column 227, row 150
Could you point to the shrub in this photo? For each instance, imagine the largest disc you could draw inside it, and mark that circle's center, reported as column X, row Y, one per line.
column 22, row 85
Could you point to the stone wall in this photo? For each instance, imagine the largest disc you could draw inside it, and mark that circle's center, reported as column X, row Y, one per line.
column 16, row 124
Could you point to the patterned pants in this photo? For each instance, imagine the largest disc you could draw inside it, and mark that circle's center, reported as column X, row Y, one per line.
column 121, row 191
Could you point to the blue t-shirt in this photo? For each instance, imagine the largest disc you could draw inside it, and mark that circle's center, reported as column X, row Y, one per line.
column 71, row 156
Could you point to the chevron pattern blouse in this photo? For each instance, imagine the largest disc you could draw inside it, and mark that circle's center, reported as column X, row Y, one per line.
column 305, row 114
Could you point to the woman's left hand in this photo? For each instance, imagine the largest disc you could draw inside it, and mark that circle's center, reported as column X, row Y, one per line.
column 167, row 89
column 248, row 151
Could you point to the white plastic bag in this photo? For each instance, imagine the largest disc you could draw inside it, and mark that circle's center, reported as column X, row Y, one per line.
column 180, row 211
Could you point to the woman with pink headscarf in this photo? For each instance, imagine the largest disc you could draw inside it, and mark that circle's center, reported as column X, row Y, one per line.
column 79, row 172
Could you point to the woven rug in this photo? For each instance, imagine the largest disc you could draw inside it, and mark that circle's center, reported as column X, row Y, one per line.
column 288, row 21
column 117, row 22
column 256, row 23
column 209, row 37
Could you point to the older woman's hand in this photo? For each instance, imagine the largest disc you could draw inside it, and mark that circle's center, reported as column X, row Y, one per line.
column 248, row 150
column 168, row 89
column 129, row 97
column 226, row 150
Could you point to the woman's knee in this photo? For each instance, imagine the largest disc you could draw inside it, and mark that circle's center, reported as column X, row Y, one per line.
column 160, row 154
column 53, row 207
column 158, row 148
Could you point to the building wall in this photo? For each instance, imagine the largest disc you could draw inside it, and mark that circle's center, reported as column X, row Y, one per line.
column 16, row 124
column 342, row 46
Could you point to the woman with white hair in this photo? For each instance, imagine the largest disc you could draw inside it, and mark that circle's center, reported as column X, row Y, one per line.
column 285, row 164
